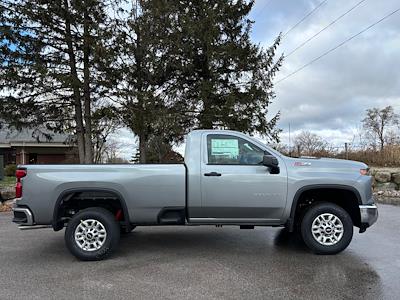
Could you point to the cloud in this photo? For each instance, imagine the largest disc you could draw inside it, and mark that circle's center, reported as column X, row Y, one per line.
column 330, row 96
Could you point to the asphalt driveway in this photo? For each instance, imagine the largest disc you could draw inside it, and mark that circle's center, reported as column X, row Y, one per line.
column 202, row 263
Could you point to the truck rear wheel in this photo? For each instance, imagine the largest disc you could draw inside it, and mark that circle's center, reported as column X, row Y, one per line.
column 326, row 228
column 92, row 234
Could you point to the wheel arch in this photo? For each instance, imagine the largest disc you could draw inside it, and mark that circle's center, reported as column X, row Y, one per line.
column 69, row 193
column 314, row 187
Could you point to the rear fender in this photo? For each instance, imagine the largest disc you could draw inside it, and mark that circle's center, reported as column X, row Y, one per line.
column 68, row 194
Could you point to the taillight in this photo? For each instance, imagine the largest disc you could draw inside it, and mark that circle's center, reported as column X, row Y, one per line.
column 18, row 190
column 20, row 173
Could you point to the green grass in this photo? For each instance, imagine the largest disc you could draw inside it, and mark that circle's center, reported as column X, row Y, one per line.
column 7, row 181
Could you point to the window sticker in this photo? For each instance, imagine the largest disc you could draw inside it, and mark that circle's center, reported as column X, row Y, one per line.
column 225, row 147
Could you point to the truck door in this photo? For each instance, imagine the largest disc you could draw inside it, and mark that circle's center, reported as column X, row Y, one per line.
column 235, row 186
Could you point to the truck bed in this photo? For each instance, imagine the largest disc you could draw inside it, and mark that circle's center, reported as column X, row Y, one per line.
column 146, row 189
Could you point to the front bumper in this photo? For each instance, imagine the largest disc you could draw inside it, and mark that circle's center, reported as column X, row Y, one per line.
column 369, row 215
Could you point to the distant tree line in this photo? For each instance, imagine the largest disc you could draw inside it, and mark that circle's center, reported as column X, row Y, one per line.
column 378, row 141
column 157, row 67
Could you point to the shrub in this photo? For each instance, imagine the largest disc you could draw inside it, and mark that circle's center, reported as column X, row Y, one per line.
column 9, row 170
column 388, row 157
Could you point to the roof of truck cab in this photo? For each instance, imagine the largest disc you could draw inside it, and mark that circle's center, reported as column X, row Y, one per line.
column 215, row 130
column 221, row 131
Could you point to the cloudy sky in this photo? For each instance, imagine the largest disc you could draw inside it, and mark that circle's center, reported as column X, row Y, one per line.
column 330, row 96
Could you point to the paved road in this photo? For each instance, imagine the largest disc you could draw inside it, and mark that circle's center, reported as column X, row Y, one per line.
column 203, row 263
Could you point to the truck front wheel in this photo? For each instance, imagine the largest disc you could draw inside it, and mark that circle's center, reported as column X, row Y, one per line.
column 92, row 234
column 326, row 228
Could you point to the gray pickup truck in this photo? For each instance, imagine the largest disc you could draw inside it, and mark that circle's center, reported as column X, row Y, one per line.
column 228, row 178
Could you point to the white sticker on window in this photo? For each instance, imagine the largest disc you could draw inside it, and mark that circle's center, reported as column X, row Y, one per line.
column 225, row 147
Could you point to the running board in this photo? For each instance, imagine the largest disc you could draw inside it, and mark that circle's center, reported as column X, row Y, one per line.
column 21, row 227
column 235, row 221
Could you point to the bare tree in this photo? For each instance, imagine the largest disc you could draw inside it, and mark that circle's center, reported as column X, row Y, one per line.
column 392, row 137
column 111, row 152
column 378, row 121
column 309, row 143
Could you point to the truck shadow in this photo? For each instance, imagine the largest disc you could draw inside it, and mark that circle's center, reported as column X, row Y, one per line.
column 229, row 240
column 268, row 257
column 290, row 241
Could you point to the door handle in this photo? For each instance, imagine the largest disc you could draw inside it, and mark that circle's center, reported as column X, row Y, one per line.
column 212, row 174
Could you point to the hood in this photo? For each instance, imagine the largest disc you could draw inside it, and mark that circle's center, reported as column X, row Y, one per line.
column 328, row 163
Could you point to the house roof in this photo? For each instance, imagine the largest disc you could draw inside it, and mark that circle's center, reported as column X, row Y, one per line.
column 33, row 137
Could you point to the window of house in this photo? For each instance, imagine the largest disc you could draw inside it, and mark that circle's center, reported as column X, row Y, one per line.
column 232, row 150
column 32, row 158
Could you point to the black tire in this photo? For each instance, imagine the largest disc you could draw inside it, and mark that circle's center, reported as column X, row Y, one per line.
column 306, row 228
column 110, row 225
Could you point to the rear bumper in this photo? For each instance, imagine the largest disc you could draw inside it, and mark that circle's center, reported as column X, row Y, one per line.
column 23, row 216
column 369, row 215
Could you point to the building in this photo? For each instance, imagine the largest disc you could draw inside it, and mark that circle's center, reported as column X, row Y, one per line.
column 36, row 146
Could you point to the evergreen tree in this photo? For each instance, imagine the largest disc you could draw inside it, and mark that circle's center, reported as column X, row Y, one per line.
column 170, row 66
column 146, row 75
column 193, row 63
column 226, row 77
column 55, row 57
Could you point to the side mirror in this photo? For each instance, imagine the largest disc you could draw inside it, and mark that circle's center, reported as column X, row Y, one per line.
column 272, row 163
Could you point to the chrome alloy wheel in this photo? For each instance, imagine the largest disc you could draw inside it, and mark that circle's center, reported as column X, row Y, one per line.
column 90, row 235
column 327, row 229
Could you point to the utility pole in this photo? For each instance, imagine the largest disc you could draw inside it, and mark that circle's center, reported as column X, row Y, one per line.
column 346, row 150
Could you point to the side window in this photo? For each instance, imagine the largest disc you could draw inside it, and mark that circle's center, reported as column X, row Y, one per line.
column 231, row 150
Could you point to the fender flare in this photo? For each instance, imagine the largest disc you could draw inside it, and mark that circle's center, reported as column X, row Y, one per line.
column 57, row 226
column 290, row 223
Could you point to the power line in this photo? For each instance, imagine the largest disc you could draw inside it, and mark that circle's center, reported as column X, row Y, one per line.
column 326, row 27
column 304, row 18
column 337, row 46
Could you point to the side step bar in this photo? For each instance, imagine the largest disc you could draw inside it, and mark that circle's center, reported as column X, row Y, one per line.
column 22, row 227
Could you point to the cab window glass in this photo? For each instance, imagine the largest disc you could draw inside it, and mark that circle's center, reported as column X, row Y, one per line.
column 232, row 150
